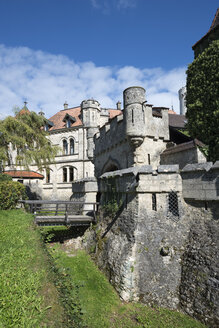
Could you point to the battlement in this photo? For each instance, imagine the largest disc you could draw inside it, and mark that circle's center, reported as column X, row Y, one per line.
column 200, row 181
column 156, row 126
column 144, row 179
column 110, row 135
column 90, row 103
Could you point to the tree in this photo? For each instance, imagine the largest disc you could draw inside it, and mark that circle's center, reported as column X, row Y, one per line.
column 202, row 99
column 23, row 137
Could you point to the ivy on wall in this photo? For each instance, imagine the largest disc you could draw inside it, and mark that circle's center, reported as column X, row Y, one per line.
column 202, row 99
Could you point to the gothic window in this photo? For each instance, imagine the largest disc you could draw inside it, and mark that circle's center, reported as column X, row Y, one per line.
column 72, row 146
column 65, row 147
column 173, row 203
column 71, row 174
column 64, row 170
column 154, row 202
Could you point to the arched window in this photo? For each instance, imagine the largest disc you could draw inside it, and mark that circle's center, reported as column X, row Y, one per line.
column 72, row 146
column 65, row 147
column 64, row 171
column 71, row 174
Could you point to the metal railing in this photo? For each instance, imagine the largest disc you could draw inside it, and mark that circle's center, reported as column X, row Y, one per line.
column 60, row 212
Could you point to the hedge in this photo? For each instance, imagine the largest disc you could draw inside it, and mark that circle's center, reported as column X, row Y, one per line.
column 10, row 193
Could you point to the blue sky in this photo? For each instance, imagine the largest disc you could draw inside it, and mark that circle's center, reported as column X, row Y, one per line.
column 52, row 51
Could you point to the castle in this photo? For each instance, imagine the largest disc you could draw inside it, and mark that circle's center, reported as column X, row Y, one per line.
column 161, row 245
column 144, row 135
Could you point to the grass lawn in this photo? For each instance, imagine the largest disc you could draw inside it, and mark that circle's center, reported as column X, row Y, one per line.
column 28, row 297
column 99, row 303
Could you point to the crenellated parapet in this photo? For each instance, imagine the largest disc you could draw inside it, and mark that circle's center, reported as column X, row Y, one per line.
column 109, row 135
column 90, row 113
column 156, row 127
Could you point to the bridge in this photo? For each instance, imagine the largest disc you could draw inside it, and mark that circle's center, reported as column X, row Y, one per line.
column 57, row 212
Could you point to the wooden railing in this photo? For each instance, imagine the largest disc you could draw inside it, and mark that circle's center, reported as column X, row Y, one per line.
column 62, row 212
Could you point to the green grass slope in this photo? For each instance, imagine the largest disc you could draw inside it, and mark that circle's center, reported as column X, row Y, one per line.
column 28, row 298
column 99, row 304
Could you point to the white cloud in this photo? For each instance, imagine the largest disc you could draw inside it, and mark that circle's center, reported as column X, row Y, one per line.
column 126, row 3
column 107, row 5
column 47, row 81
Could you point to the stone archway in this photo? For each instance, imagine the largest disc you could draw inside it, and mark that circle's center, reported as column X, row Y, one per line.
column 110, row 165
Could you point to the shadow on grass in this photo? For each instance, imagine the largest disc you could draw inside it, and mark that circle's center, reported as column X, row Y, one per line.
column 61, row 233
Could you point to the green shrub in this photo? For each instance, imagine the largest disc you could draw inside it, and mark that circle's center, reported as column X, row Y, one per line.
column 202, row 99
column 10, row 193
column 5, row 177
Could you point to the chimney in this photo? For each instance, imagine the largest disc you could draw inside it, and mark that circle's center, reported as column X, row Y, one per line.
column 118, row 105
column 65, row 105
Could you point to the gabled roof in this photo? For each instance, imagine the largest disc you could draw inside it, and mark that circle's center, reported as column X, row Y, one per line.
column 214, row 25
column 215, row 21
column 24, row 174
column 114, row 112
column 58, row 118
column 177, row 121
column 183, row 146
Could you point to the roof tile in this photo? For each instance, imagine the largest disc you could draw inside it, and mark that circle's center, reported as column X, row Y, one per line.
column 24, row 174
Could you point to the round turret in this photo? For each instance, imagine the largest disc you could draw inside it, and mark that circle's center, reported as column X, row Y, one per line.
column 133, row 95
column 134, row 112
column 90, row 113
column 90, row 103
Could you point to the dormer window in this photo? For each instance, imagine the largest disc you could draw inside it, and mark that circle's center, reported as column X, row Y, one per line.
column 68, row 123
column 69, row 120
column 48, row 125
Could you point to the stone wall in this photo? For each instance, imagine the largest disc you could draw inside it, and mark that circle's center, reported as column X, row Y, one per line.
column 182, row 154
column 201, row 181
column 85, row 190
column 141, row 247
column 158, row 247
column 199, row 288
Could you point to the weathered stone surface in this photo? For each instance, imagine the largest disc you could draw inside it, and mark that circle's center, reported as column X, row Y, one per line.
column 199, row 289
column 168, row 168
column 197, row 167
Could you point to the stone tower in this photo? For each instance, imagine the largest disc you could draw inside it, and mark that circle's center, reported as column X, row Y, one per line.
column 134, row 113
column 182, row 100
column 91, row 119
